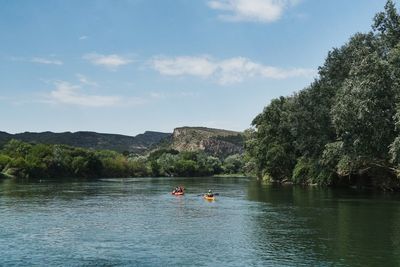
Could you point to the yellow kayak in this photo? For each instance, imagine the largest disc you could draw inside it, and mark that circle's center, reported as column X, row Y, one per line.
column 209, row 197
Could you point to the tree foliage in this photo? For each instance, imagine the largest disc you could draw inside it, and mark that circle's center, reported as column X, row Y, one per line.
column 346, row 124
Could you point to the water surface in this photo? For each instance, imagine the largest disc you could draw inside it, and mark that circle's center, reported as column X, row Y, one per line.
column 137, row 222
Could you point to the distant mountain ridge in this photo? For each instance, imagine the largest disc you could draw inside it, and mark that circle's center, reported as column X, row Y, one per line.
column 93, row 140
column 217, row 142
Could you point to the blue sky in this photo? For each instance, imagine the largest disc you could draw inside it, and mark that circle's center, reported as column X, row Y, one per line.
column 128, row 66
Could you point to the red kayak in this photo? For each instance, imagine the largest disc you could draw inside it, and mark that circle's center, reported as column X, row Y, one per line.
column 178, row 191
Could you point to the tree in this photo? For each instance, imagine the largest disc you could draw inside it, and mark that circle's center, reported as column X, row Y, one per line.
column 138, row 166
column 364, row 111
column 16, row 148
column 346, row 123
column 233, row 164
column 167, row 163
column 4, row 160
column 387, row 26
column 273, row 148
column 185, row 167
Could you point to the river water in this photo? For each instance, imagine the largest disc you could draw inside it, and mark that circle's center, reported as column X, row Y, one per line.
column 137, row 222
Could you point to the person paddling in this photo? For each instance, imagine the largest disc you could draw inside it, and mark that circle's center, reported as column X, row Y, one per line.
column 178, row 190
column 210, row 193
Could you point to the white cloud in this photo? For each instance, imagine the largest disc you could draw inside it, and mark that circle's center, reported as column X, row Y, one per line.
column 197, row 66
column 66, row 93
column 46, row 61
column 228, row 71
column 264, row 11
column 111, row 62
column 85, row 80
column 83, row 37
column 238, row 68
column 70, row 94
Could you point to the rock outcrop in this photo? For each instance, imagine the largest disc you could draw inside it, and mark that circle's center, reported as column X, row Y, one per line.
column 215, row 142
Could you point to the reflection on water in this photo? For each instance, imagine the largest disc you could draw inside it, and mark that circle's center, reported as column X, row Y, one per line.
column 344, row 227
column 138, row 222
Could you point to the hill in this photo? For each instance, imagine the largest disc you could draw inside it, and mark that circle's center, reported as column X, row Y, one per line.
column 92, row 140
column 216, row 142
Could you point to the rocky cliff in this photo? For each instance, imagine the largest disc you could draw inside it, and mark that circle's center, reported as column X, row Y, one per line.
column 215, row 142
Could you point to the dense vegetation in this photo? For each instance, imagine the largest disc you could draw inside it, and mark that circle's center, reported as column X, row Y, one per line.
column 40, row 161
column 345, row 127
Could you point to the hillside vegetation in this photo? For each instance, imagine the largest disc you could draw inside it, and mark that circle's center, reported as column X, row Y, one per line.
column 215, row 142
column 345, row 127
column 91, row 140
column 190, row 151
column 23, row 160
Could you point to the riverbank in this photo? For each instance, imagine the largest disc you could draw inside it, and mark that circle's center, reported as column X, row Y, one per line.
column 237, row 175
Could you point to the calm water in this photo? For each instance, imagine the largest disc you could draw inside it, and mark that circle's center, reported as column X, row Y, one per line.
column 136, row 222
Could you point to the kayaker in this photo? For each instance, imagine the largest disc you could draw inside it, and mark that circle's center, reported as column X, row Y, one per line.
column 178, row 189
column 210, row 193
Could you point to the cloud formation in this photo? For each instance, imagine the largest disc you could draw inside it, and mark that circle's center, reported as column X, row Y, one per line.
column 85, row 80
column 264, row 11
column 228, row 71
column 46, row 61
column 66, row 93
column 197, row 66
column 111, row 62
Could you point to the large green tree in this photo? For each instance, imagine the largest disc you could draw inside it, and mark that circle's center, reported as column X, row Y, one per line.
column 346, row 124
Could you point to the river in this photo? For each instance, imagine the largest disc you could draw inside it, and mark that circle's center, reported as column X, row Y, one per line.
column 137, row 222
